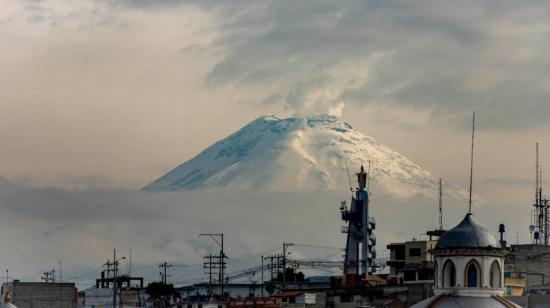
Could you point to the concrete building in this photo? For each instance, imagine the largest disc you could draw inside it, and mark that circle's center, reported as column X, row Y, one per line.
column 233, row 290
column 411, row 262
column 41, row 294
column 257, row 302
column 300, row 299
column 514, row 286
column 529, row 261
column 103, row 298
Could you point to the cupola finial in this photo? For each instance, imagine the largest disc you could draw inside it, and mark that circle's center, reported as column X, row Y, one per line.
column 472, row 163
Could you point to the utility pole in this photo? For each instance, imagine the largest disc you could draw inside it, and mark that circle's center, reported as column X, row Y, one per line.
column 115, row 274
column 60, row 272
column 222, row 266
column 285, row 245
column 208, row 266
column 114, row 278
column 279, row 264
column 221, row 258
column 164, row 272
column 262, row 257
column 48, row 276
column 108, row 271
column 271, row 267
column 275, row 264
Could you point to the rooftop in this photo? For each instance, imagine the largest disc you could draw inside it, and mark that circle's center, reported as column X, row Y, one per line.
column 467, row 234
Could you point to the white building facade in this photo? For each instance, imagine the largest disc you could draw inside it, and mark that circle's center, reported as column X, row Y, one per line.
column 469, row 269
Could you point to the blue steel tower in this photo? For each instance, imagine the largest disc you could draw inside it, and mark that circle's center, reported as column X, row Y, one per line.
column 360, row 245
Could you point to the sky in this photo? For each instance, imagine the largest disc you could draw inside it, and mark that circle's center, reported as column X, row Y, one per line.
column 101, row 97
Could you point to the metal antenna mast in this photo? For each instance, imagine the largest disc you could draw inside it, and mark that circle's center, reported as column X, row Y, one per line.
column 472, row 163
column 349, row 178
column 368, row 177
column 440, row 205
column 537, row 175
column 540, row 219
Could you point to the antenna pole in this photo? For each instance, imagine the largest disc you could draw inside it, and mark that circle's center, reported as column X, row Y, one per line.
column 349, row 177
column 368, row 177
column 537, row 175
column 440, row 205
column 472, row 163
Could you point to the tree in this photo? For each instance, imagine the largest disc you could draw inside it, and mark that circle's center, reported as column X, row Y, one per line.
column 159, row 289
column 290, row 275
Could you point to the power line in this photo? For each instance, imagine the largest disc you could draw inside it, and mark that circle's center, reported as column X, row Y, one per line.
column 319, row 246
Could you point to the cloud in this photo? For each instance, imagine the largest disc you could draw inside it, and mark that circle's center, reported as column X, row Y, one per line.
column 126, row 90
column 41, row 225
column 57, row 229
column 447, row 57
column 313, row 97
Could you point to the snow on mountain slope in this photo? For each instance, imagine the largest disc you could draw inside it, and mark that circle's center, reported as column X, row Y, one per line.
column 297, row 154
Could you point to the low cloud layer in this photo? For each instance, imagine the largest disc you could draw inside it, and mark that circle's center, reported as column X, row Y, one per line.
column 81, row 227
column 39, row 226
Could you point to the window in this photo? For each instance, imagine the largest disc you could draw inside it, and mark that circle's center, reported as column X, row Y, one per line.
column 415, row 252
column 449, row 274
column 473, row 275
column 425, row 274
column 345, row 298
column 400, row 253
column 495, row 279
column 410, row 275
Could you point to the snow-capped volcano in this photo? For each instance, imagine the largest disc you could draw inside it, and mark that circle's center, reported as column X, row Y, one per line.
column 294, row 154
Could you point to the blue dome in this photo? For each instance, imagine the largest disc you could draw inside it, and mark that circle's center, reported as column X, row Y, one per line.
column 467, row 234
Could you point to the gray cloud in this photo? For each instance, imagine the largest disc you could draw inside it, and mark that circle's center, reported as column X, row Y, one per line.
column 59, row 228
column 126, row 90
column 42, row 225
column 445, row 57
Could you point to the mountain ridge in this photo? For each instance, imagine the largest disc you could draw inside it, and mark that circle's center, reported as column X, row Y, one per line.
column 298, row 153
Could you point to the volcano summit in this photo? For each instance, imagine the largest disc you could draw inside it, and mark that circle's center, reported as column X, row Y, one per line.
column 296, row 154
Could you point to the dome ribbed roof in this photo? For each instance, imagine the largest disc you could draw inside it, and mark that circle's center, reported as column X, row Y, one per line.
column 468, row 234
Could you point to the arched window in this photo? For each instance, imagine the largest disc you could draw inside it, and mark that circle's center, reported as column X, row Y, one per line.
column 449, row 274
column 495, row 278
column 473, row 274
